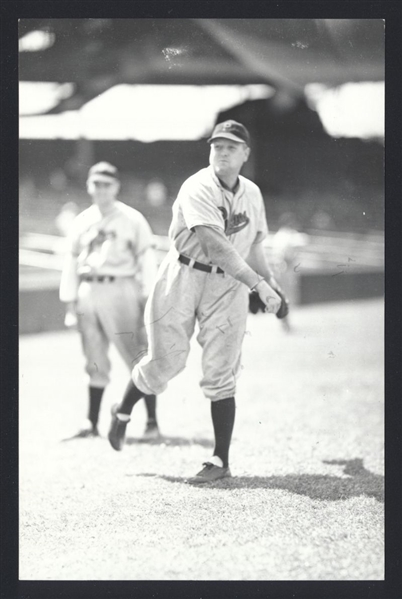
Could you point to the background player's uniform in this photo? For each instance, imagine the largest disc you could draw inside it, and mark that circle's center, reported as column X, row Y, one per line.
column 184, row 293
column 109, row 271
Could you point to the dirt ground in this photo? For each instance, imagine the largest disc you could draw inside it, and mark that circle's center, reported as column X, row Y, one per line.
column 306, row 501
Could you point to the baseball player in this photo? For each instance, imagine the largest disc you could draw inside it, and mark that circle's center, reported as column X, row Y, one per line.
column 105, row 281
column 216, row 256
column 285, row 245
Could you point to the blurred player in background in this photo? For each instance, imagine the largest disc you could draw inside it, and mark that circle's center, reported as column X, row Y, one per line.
column 285, row 245
column 65, row 217
column 106, row 279
column 216, row 256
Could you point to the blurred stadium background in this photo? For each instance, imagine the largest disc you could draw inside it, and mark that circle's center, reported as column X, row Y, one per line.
column 145, row 93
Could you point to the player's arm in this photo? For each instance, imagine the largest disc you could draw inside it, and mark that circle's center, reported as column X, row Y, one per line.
column 147, row 266
column 69, row 282
column 222, row 253
column 257, row 260
column 69, row 289
column 143, row 247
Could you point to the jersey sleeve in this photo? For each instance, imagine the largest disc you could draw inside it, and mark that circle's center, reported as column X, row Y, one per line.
column 199, row 207
column 68, row 290
column 143, row 235
column 262, row 230
column 144, row 252
column 73, row 238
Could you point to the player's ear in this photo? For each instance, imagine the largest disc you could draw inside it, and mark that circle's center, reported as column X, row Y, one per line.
column 246, row 153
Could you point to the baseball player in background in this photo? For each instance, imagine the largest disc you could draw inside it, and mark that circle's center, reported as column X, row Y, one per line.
column 106, row 279
column 286, row 244
column 216, row 256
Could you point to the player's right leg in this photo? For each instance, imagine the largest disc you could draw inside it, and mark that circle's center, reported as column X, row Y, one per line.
column 95, row 346
column 222, row 319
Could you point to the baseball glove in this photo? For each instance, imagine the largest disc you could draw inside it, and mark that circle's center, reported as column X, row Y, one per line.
column 255, row 304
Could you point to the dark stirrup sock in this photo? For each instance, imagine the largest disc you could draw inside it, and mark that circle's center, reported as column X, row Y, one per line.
column 150, row 404
column 95, row 398
column 131, row 395
column 223, row 417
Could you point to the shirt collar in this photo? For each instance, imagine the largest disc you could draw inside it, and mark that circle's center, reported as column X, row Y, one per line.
column 222, row 185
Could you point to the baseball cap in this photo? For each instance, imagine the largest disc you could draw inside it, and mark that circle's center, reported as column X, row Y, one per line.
column 103, row 172
column 231, row 130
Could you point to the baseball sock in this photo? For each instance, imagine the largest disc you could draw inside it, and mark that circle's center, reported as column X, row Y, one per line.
column 95, row 398
column 150, row 404
column 223, row 417
column 131, row 395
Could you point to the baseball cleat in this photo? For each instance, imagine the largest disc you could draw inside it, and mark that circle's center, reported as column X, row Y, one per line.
column 151, row 432
column 87, row 431
column 209, row 474
column 117, row 430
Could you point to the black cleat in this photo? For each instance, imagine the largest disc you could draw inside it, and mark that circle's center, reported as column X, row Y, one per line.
column 87, row 431
column 209, row 474
column 151, row 432
column 117, row 430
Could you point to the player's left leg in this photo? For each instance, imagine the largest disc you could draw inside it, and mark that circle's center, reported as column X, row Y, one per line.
column 222, row 322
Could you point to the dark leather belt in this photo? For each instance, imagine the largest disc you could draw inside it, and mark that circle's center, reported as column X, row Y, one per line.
column 98, row 279
column 199, row 265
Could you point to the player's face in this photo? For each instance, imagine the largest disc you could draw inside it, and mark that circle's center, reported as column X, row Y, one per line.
column 227, row 156
column 103, row 193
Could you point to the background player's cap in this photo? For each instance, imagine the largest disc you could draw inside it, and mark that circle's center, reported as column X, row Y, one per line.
column 103, row 172
column 231, row 130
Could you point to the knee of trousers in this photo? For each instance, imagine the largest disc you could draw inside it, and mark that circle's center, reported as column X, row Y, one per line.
column 144, row 385
column 152, row 375
column 95, row 380
column 214, row 394
column 96, row 377
column 220, row 385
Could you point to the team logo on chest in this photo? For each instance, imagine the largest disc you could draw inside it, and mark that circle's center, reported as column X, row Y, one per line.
column 98, row 239
column 234, row 222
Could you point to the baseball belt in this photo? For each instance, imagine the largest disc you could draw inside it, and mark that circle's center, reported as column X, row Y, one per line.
column 199, row 265
column 98, row 278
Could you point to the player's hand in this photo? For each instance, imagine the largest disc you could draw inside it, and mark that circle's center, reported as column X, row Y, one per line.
column 272, row 282
column 71, row 320
column 268, row 297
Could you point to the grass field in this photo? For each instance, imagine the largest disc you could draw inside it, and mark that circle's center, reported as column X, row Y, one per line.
column 306, row 498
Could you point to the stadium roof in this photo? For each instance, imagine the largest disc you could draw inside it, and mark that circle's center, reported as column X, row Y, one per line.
column 98, row 54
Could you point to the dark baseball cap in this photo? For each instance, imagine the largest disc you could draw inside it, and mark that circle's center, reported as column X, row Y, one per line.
column 103, row 172
column 231, row 130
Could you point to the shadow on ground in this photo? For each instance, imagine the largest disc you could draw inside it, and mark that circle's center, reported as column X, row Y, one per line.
column 163, row 440
column 321, row 487
column 172, row 441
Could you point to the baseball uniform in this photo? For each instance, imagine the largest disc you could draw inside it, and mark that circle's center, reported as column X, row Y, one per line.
column 183, row 293
column 218, row 214
column 109, row 271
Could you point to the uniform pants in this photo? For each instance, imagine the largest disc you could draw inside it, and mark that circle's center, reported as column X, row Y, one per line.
column 181, row 296
column 110, row 312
